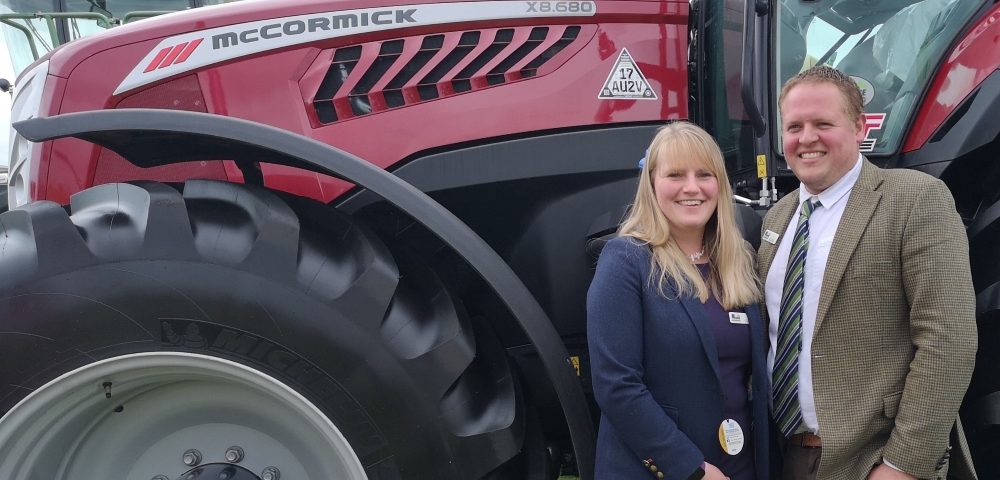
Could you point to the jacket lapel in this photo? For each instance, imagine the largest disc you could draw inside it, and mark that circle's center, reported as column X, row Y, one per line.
column 696, row 313
column 777, row 221
column 756, row 325
column 857, row 213
column 758, row 344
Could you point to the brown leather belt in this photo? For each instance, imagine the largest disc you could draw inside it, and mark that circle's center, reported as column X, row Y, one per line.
column 806, row 439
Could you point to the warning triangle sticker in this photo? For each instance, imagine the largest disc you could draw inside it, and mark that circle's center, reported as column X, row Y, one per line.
column 626, row 81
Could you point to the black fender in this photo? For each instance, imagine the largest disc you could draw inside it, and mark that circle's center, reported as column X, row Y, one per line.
column 150, row 137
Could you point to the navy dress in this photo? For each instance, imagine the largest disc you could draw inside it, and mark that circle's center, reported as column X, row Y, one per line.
column 658, row 378
column 733, row 343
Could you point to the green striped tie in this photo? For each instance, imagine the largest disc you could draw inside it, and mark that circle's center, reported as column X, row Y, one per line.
column 785, row 377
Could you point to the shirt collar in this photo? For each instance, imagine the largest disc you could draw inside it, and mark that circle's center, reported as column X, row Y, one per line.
column 838, row 190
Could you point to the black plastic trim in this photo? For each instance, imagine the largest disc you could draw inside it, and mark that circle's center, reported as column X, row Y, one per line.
column 150, row 137
column 746, row 70
column 565, row 153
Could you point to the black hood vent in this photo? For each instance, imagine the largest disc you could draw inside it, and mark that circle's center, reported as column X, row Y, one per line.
column 373, row 77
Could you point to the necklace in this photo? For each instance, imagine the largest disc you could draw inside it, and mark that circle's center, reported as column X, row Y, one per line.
column 697, row 255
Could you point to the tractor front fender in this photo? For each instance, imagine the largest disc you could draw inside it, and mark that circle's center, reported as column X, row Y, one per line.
column 149, row 137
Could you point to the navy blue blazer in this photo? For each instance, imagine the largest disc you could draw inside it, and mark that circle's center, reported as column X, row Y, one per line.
column 655, row 371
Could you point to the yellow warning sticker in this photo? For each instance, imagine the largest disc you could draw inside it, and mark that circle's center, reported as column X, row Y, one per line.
column 575, row 359
column 761, row 166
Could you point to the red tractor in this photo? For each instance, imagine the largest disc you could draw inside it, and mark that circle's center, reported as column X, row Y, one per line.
column 351, row 239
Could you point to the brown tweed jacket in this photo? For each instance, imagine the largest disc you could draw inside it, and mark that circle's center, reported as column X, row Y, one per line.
column 895, row 337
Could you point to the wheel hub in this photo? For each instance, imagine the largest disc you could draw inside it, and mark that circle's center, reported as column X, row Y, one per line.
column 219, row 471
column 166, row 412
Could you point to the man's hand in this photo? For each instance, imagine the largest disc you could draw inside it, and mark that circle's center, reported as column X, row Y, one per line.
column 885, row 472
column 713, row 473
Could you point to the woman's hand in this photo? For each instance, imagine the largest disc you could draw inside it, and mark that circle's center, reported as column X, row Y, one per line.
column 713, row 473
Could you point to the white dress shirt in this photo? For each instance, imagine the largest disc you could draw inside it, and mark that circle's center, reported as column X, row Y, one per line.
column 822, row 227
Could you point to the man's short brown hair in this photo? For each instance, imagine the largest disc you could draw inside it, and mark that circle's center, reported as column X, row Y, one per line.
column 853, row 103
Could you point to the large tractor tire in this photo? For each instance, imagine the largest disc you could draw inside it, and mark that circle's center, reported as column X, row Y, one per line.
column 150, row 335
column 981, row 412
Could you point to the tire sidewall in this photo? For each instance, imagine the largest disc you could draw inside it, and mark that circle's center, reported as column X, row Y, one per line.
column 70, row 319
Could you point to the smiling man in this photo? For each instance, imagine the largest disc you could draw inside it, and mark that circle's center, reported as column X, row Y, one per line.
column 869, row 300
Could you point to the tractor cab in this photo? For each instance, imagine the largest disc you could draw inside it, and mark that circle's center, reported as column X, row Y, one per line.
column 892, row 49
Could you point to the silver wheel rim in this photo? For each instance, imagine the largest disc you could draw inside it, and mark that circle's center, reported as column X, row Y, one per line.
column 163, row 404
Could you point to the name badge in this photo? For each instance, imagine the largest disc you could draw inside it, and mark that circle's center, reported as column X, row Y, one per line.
column 739, row 318
column 731, row 437
column 770, row 237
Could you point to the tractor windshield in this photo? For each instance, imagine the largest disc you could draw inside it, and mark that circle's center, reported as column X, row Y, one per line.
column 889, row 47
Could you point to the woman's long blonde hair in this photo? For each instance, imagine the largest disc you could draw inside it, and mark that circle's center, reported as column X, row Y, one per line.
column 732, row 280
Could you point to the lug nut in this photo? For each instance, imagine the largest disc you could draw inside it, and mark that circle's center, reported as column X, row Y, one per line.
column 191, row 457
column 234, row 454
column 270, row 473
column 160, row 477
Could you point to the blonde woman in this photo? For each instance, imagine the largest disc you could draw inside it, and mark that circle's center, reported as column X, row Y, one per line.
column 676, row 339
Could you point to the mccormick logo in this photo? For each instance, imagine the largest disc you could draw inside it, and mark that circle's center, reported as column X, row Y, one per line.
column 314, row 24
column 173, row 55
column 873, row 121
column 181, row 53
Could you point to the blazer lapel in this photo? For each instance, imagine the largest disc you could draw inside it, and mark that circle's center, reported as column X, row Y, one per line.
column 757, row 326
column 782, row 215
column 857, row 213
column 696, row 313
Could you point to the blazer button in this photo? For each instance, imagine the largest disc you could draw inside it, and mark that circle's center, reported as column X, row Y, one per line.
column 652, row 468
column 659, row 474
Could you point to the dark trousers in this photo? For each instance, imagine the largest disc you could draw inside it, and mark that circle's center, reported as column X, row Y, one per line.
column 799, row 463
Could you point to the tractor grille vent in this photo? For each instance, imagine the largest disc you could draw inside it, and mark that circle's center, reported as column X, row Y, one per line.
column 378, row 76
